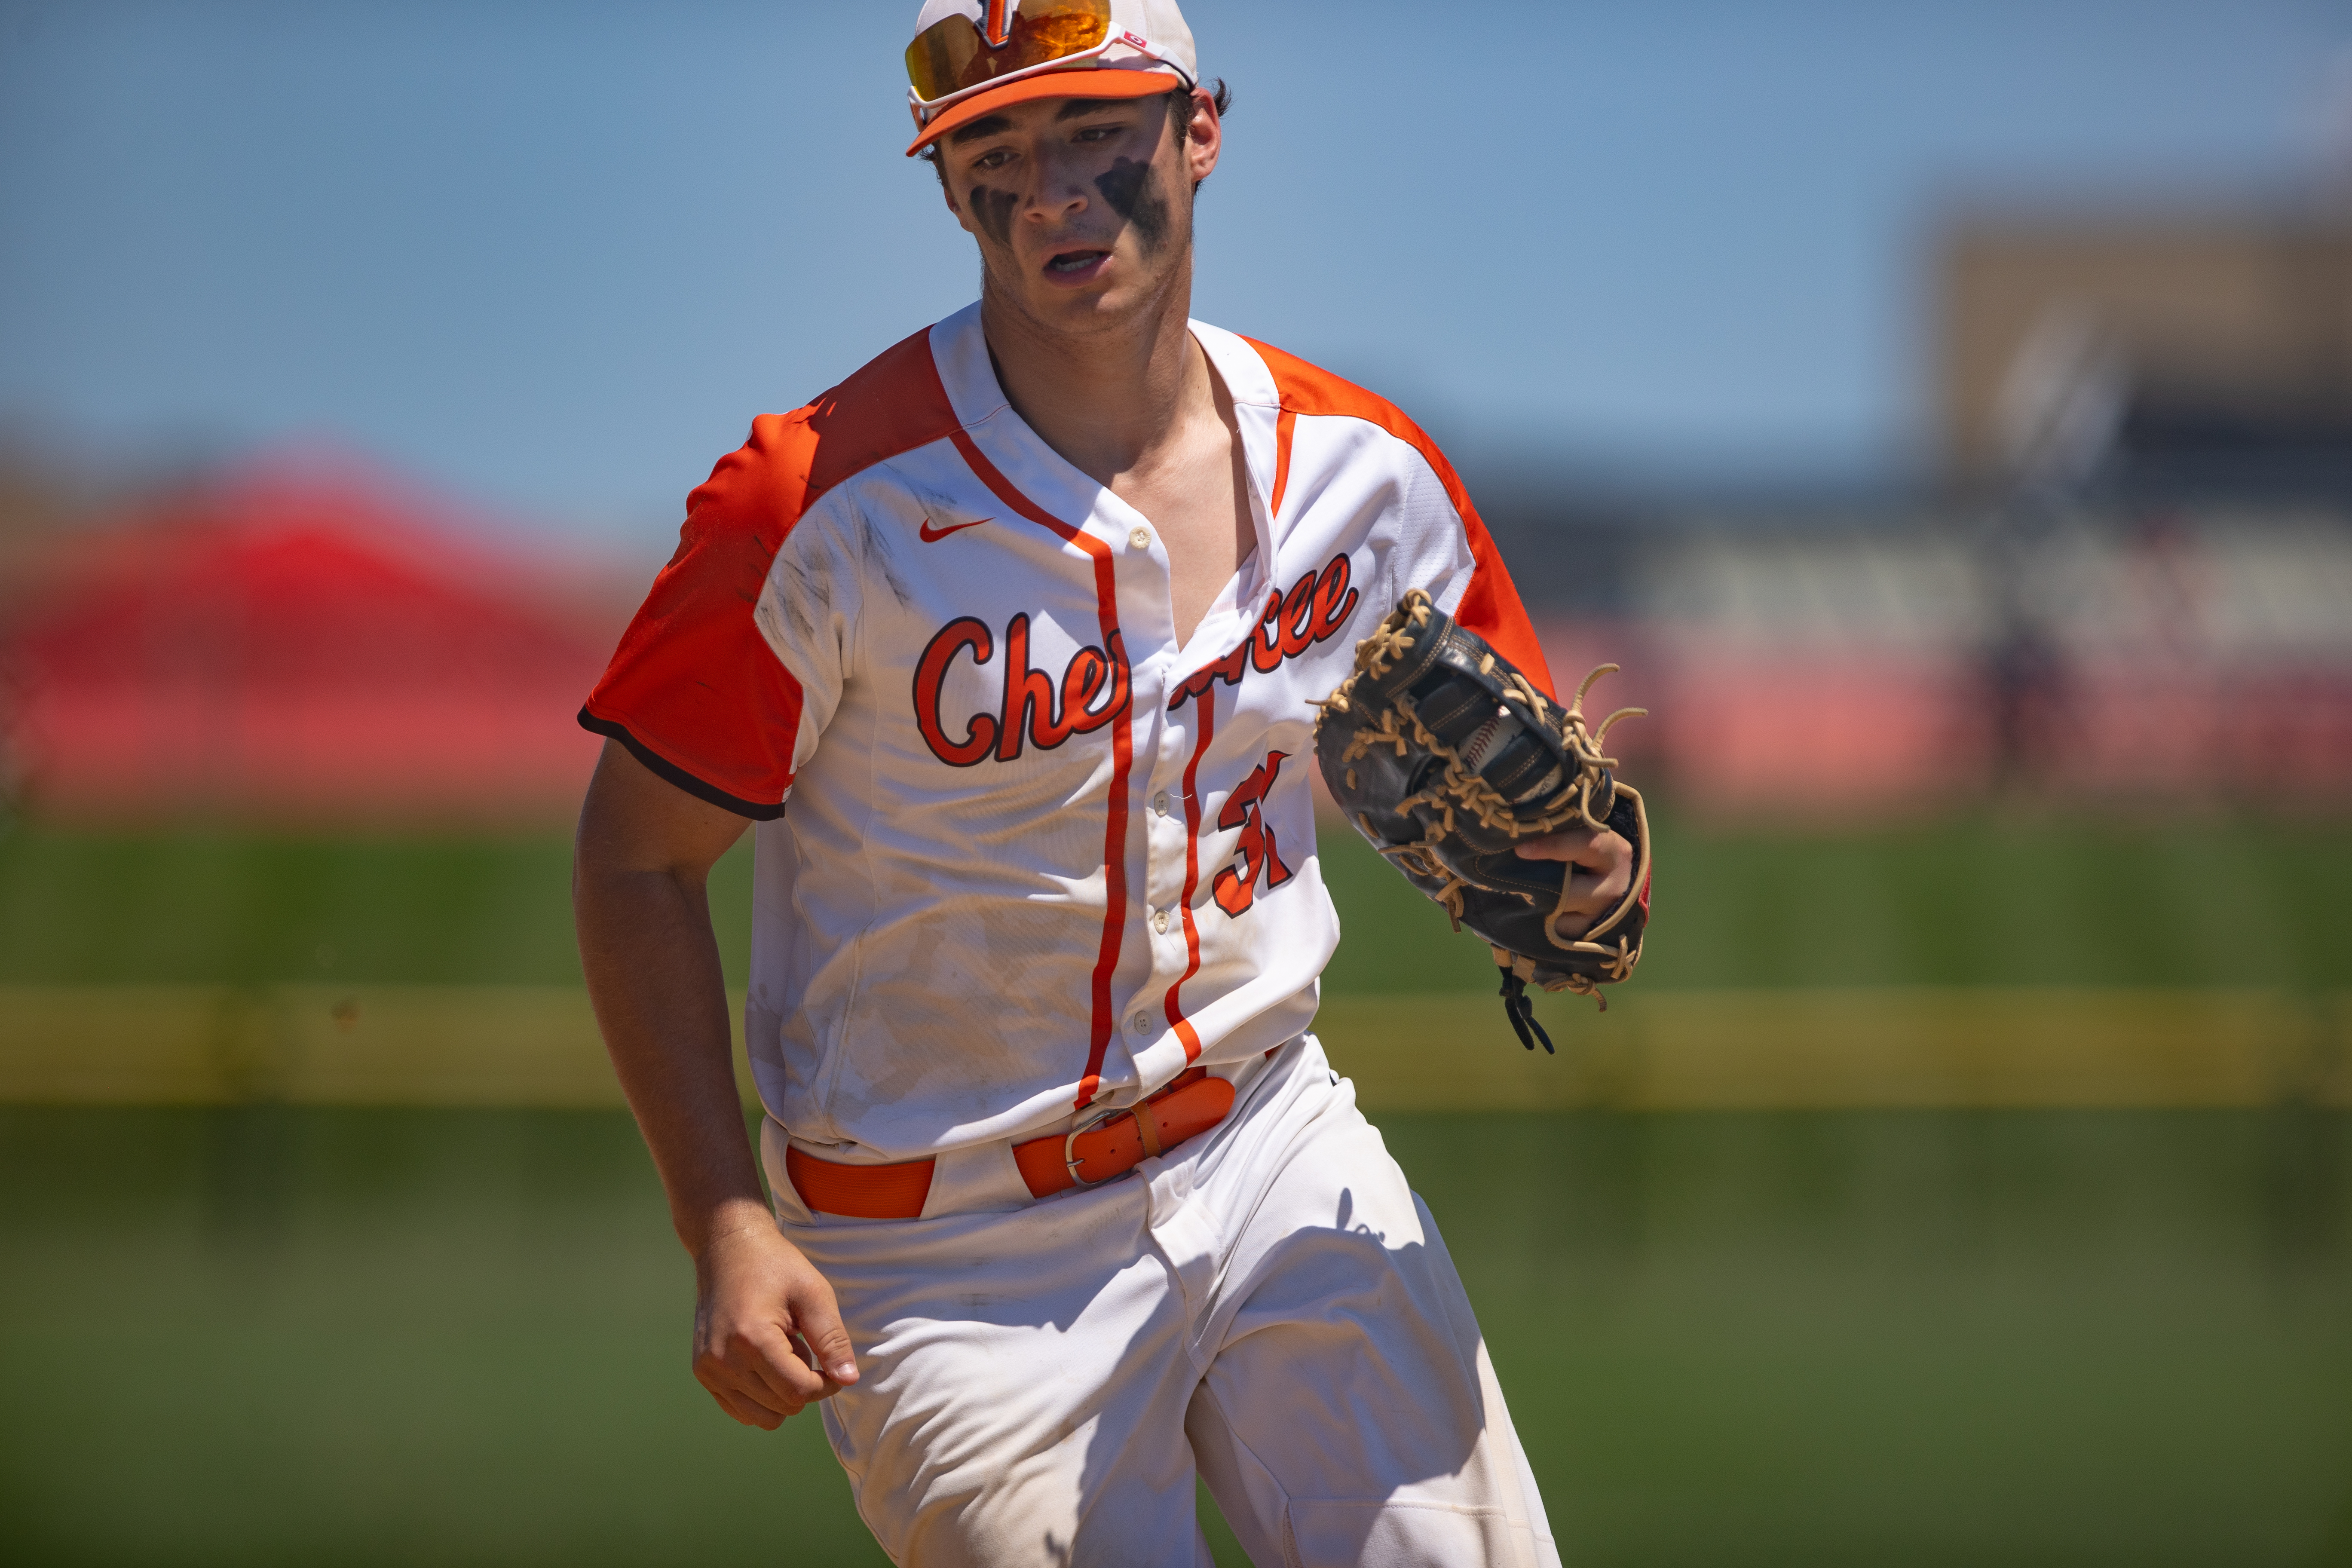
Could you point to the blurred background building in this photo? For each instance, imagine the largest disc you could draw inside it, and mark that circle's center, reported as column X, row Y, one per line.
column 2171, row 354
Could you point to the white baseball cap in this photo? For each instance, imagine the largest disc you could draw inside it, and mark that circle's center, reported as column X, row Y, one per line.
column 971, row 57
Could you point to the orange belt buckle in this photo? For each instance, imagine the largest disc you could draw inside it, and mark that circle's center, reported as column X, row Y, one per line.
column 1147, row 1123
column 1185, row 1109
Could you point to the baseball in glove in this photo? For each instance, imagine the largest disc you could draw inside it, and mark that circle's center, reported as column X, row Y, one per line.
column 1448, row 759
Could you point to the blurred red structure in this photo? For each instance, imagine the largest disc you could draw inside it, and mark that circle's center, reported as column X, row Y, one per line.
column 1786, row 729
column 299, row 642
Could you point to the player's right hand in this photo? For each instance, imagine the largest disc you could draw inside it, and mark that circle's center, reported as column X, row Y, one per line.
column 768, row 1340
column 1599, row 869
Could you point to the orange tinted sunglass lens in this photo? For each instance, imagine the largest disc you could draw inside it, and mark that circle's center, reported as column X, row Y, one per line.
column 949, row 54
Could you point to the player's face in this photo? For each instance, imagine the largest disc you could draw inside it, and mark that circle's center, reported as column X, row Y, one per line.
column 1083, row 207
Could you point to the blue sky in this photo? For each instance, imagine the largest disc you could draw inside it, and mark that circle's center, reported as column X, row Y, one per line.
column 552, row 257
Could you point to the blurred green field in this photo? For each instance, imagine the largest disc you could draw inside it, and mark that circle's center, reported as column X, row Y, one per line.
column 1980, row 901
column 268, row 1335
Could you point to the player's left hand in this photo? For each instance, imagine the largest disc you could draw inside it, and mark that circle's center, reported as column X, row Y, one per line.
column 1600, row 866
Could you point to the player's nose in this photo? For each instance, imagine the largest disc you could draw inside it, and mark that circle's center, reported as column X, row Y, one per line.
column 1052, row 211
column 1061, row 190
column 1057, row 202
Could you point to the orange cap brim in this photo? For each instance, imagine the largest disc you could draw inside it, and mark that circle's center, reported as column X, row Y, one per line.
column 1085, row 82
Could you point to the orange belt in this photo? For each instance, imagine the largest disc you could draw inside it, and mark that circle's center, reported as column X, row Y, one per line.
column 1111, row 1145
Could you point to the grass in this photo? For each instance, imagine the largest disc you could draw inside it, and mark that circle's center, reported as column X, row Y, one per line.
column 1973, row 900
column 269, row 1335
column 94, row 908
column 273, row 1336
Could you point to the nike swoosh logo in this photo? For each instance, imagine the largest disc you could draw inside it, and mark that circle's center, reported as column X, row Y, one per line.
column 930, row 535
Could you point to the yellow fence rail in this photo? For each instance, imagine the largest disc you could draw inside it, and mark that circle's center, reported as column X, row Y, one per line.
column 1724, row 1050
column 538, row 1046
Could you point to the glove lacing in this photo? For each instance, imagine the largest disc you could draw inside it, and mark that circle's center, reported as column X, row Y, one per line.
column 1520, row 1008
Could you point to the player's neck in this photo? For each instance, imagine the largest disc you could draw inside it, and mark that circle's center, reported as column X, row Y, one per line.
column 1107, row 400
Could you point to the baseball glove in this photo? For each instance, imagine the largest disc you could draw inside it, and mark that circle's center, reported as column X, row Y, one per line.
column 1447, row 759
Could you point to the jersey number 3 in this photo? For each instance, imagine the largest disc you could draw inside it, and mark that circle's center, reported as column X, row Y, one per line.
column 1236, row 890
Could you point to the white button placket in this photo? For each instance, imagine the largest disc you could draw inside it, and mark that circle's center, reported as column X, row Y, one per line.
column 1162, row 740
column 1169, row 822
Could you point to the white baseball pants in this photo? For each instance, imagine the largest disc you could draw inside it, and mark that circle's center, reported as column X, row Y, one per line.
column 1268, row 1305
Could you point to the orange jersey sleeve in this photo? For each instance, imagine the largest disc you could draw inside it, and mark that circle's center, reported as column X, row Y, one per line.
column 695, row 690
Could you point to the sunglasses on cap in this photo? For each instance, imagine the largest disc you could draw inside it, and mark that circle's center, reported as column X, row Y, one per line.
column 955, row 54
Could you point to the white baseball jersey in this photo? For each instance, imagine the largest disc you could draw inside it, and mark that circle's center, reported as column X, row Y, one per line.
column 1038, row 857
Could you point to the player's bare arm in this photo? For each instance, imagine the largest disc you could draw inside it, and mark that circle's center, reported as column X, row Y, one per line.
column 765, row 1322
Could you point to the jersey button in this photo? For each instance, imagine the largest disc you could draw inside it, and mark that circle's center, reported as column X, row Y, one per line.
column 1159, row 921
column 1159, row 803
column 1141, row 1022
column 1141, row 539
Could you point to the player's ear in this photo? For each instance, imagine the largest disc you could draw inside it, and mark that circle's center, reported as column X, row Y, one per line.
column 1204, row 136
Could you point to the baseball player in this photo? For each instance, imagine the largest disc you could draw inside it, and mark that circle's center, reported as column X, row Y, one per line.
column 1006, row 644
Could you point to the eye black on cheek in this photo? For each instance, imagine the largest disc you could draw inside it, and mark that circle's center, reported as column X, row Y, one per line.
column 993, row 210
column 1133, row 191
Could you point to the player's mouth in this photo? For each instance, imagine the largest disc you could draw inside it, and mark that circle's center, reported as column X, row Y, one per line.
column 1076, row 265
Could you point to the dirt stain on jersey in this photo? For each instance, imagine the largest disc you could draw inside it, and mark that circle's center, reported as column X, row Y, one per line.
column 876, row 547
column 806, row 580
